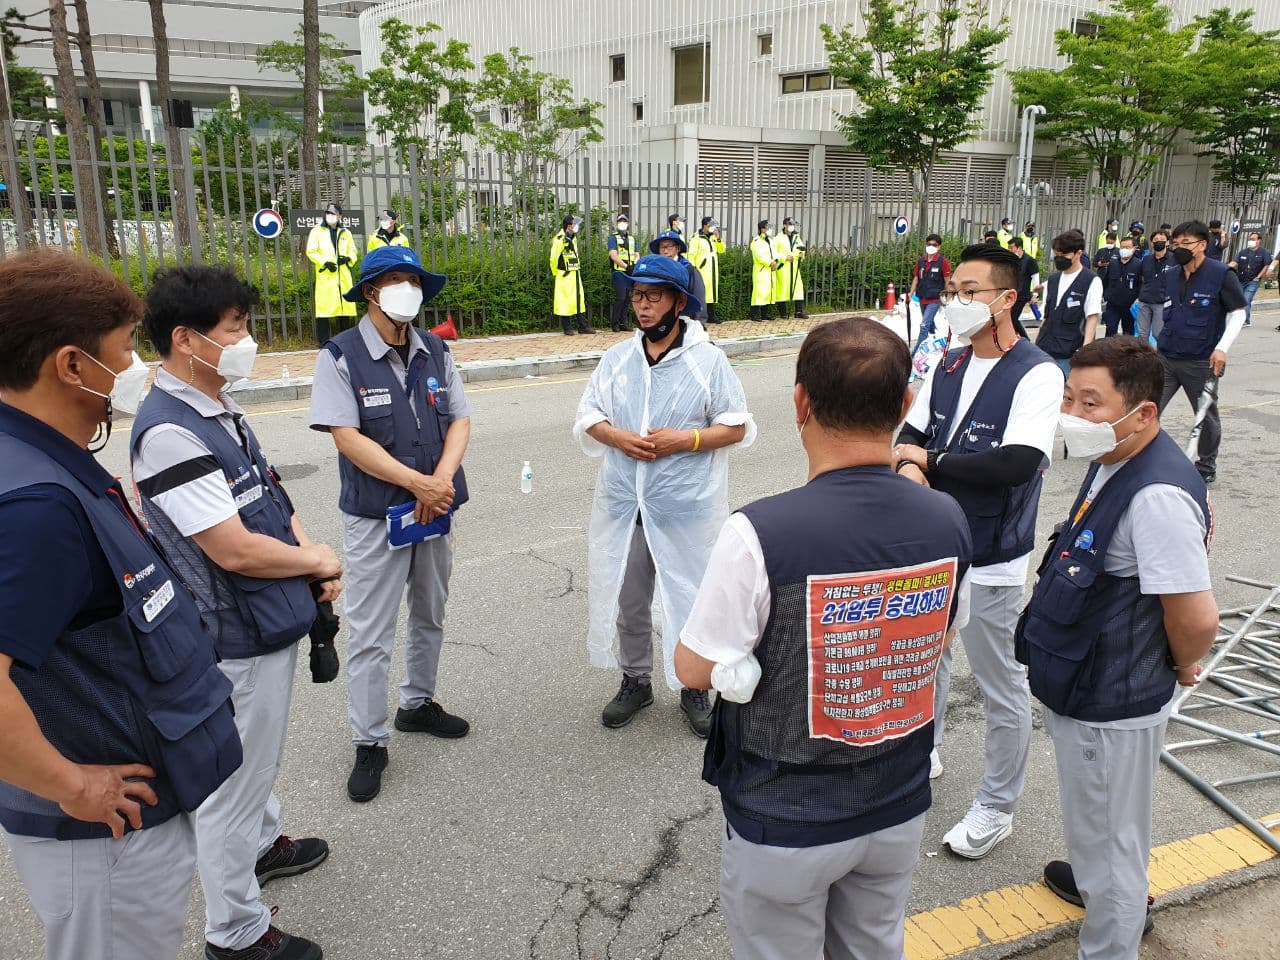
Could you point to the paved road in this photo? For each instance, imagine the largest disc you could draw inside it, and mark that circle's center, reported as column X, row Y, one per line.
column 543, row 835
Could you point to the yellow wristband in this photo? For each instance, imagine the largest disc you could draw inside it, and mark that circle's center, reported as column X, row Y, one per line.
column 697, row 440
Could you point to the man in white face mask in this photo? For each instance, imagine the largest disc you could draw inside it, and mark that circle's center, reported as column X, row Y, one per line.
column 390, row 395
column 1121, row 615
column 981, row 429
column 226, row 523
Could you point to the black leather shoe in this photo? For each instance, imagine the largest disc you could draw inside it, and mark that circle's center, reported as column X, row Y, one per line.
column 1059, row 878
column 272, row 945
column 365, row 781
column 431, row 718
column 289, row 857
column 696, row 705
column 633, row 696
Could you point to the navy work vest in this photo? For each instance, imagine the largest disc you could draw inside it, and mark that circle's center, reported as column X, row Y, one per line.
column 394, row 423
column 929, row 280
column 1122, row 282
column 1154, row 282
column 1095, row 644
column 141, row 686
column 1002, row 520
column 1195, row 320
column 247, row 616
column 780, row 784
column 1250, row 263
column 1062, row 332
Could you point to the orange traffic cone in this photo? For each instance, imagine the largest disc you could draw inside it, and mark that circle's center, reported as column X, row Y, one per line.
column 447, row 330
column 890, row 298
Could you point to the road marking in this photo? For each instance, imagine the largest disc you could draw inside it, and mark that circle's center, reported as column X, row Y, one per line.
column 1011, row 913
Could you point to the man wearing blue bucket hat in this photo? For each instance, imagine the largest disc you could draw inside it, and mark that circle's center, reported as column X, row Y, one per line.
column 671, row 244
column 661, row 410
column 390, row 396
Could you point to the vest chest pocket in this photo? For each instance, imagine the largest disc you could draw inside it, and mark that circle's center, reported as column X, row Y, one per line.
column 1051, row 639
column 1064, row 590
column 378, row 425
column 164, row 640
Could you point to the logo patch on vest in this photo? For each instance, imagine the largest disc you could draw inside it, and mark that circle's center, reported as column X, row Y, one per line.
column 1085, row 540
column 874, row 642
column 375, row 396
column 131, row 580
column 154, row 605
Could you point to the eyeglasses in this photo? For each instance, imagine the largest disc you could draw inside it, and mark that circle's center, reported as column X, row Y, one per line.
column 648, row 296
column 965, row 297
column 1186, row 244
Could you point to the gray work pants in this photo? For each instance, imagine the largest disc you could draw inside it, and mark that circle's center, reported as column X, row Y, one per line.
column 635, row 610
column 1150, row 320
column 988, row 642
column 240, row 820
column 375, row 579
column 1190, row 376
column 1106, row 779
column 841, row 901
column 111, row 899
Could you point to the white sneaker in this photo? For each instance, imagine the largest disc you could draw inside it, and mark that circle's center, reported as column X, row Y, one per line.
column 977, row 834
column 935, row 765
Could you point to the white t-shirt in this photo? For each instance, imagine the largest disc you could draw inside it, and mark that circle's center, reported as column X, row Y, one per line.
column 1092, row 299
column 1033, row 422
column 1160, row 539
column 731, row 610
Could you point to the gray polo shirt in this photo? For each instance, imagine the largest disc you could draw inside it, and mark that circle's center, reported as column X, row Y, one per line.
column 333, row 401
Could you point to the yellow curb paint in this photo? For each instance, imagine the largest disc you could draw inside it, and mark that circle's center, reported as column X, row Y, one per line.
column 1011, row 913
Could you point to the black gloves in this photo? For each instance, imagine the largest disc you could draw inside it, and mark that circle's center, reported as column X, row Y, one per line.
column 343, row 261
column 331, row 267
column 324, row 656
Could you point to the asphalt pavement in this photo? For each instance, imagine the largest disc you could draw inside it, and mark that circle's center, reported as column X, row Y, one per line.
column 543, row 835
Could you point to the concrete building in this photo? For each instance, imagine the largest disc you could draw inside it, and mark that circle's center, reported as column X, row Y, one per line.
column 741, row 88
column 213, row 45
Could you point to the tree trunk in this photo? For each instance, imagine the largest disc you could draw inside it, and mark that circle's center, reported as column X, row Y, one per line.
column 173, row 139
column 85, row 179
column 10, row 166
column 97, row 119
column 310, row 101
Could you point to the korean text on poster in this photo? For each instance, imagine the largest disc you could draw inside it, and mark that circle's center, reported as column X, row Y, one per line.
column 874, row 644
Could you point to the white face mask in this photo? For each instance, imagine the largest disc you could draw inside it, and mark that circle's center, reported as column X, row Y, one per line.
column 236, row 362
column 331, row 219
column 386, row 225
column 930, row 250
column 400, row 301
column 967, row 319
column 1253, row 244
column 1087, row 440
column 126, row 393
column 1125, row 253
column 623, row 227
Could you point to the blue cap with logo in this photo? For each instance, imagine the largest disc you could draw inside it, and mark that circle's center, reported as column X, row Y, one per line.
column 671, row 235
column 659, row 270
column 385, row 260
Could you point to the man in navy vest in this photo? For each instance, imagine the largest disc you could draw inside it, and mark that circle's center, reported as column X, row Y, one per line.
column 1120, row 283
column 1252, row 265
column 982, row 429
column 226, row 524
column 1205, row 315
column 820, row 621
column 1122, row 612
column 114, row 720
column 1153, row 292
column 390, row 396
column 1028, row 284
column 1073, row 301
column 928, row 280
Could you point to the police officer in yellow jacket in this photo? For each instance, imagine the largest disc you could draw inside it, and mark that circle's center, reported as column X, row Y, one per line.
column 332, row 251
column 764, row 263
column 788, row 285
column 569, row 303
column 622, row 258
column 704, row 253
column 388, row 234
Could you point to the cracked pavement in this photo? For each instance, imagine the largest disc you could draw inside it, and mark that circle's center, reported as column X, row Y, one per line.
column 542, row 835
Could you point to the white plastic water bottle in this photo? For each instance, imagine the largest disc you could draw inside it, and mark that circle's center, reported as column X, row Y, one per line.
column 526, row 478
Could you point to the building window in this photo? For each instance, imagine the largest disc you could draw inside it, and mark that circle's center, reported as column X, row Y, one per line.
column 1084, row 28
column 817, row 81
column 505, row 113
column 814, row 82
column 793, row 83
column 618, row 66
column 637, row 111
column 482, row 117
column 765, row 44
column 622, row 201
column 693, row 74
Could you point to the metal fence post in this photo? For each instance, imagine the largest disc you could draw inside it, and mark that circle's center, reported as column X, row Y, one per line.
column 189, row 196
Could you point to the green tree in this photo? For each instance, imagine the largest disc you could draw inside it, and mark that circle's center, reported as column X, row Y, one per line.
column 1242, row 130
column 920, row 75
column 421, row 96
column 1122, row 97
column 28, row 89
column 534, row 119
column 337, row 81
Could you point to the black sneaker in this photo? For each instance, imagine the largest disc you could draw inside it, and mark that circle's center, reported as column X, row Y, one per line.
column 697, row 707
column 633, row 695
column 1059, row 878
column 272, row 945
column 431, row 718
column 365, row 781
column 289, row 857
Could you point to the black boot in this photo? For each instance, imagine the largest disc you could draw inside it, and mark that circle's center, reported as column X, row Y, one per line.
column 566, row 323
column 800, row 312
column 757, row 314
column 583, row 326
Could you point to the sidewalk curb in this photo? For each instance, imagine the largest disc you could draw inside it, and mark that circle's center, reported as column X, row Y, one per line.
column 478, row 371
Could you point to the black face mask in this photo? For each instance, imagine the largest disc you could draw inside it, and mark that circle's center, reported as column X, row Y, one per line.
column 662, row 328
column 1062, row 263
column 1183, row 256
column 1030, row 232
column 1159, row 246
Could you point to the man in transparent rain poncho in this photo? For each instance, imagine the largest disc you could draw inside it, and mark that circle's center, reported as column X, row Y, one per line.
column 661, row 409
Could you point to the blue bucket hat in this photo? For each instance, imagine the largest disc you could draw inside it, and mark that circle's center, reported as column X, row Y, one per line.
column 659, row 270
column 668, row 235
column 387, row 259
